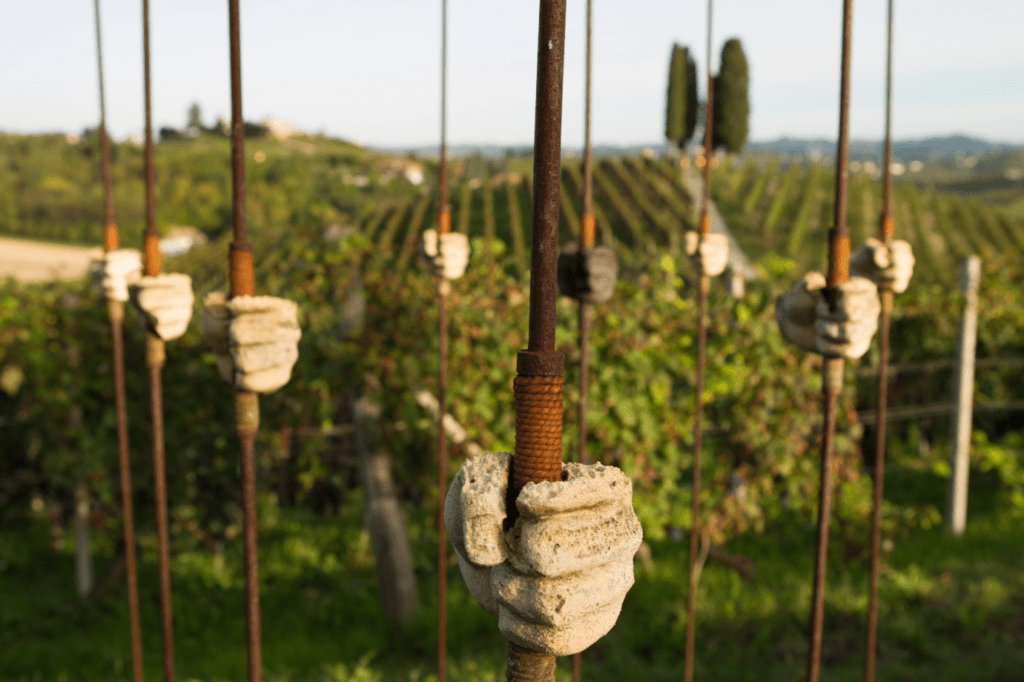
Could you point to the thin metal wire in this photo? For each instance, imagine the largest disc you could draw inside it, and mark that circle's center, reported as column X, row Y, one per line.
column 886, row 295
column 115, row 313
column 703, row 284
column 247, row 407
column 442, row 379
column 832, row 369
column 155, row 361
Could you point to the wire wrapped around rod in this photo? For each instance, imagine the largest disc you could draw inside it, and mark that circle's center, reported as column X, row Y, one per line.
column 528, row 666
column 538, row 428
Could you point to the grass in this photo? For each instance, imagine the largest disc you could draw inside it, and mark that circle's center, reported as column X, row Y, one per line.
column 952, row 609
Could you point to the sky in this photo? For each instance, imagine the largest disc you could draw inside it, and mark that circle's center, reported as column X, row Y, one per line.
column 369, row 71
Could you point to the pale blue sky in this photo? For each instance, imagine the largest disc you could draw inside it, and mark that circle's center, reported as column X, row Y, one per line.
column 369, row 70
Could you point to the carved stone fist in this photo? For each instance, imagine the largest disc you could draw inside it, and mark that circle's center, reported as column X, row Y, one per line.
column 840, row 327
column 166, row 302
column 115, row 270
column 590, row 276
column 446, row 255
column 714, row 252
column 255, row 339
column 893, row 266
column 556, row 580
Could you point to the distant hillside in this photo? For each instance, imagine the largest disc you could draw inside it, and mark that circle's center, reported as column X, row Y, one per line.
column 908, row 150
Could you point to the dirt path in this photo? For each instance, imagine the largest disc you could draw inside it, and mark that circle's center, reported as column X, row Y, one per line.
column 29, row 261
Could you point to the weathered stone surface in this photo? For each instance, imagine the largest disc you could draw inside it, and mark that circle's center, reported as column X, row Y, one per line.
column 560, row 601
column 563, row 641
column 474, row 510
column 166, row 302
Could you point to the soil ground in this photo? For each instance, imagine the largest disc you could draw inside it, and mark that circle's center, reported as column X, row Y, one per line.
column 29, row 261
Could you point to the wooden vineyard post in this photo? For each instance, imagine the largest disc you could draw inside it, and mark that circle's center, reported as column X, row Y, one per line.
column 115, row 313
column 963, row 406
column 540, row 369
column 832, row 368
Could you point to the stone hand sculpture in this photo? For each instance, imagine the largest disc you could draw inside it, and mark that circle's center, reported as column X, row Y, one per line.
column 713, row 249
column 556, row 579
column 890, row 267
column 255, row 339
column 590, row 276
column 166, row 302
column 835, row 323
column 446, row 255
column 115, row 271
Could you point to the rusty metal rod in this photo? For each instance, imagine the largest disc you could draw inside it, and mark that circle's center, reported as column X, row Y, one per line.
column 703, row 284
column 247, row 406
column 115, row 313
column 886, row 296
column 832, row 368
column 444, row 225
column 587, row 237
column 538, row 386
column 155, row 358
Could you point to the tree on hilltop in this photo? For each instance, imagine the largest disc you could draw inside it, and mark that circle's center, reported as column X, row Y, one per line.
column 730, row 116
column 693, row 107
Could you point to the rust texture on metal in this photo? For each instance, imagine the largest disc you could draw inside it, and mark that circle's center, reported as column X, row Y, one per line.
column 832, row 368
column 529, row 666
column 886, row 233
column 247, row 406
column 588, row 227
column 539, row 385
column 116, row 313
column 151, row 253
column 444, row 223
column 155, row 359
column 150, row 182
column 242, row 273
column 547, row 140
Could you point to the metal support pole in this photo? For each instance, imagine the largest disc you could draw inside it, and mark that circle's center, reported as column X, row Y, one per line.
column 115, row 313
column 886, row 230
column 703, row 284
column 247, row 405
column 540, row 369
column 587, row 238
column 155, row 358
column 832, row 369
column 443, row 226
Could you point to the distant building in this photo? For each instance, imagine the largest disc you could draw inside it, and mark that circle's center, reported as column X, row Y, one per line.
column 181, row 239
column 278, row 129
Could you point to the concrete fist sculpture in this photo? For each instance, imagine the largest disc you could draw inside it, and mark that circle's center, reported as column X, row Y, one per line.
column 890, row 267
column 713, row 249
column 590, row 276
column 446, row 255
column 166, row 302
column 255, row 339
column 841, row 326
column 557, row 578
column 115, row 271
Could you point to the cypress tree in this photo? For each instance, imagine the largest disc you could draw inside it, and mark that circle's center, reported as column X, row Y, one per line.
column 692, row 103
column 731, row 112
column 675, row 108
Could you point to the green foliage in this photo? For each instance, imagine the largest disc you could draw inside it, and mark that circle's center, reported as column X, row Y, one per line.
column 676, row 106
column 731, row 111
